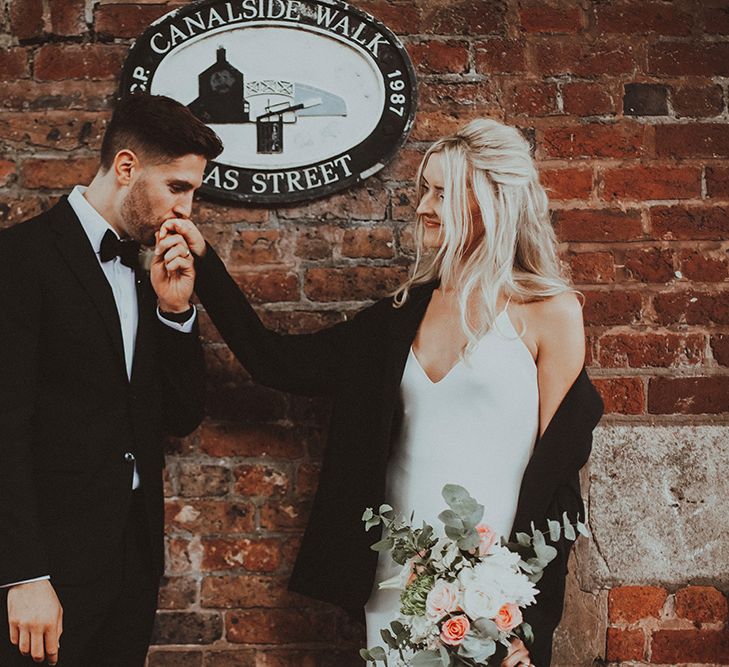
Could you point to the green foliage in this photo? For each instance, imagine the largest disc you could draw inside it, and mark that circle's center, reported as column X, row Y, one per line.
column 412, row 599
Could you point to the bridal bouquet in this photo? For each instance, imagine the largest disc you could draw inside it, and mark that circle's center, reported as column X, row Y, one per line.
column 461, row 595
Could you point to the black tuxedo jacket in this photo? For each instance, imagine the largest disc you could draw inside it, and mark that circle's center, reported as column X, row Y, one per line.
column 68, row 413
column 359, row 365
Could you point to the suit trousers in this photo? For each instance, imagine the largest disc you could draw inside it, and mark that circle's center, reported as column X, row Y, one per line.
column 108, row 622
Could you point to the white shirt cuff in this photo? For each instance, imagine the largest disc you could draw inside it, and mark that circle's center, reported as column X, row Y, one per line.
column 26, row 581
column 183, row 327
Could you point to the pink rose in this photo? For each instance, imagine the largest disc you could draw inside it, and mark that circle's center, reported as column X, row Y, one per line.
column 508, row 618
column 487, row 538
column 442, row 599
column 454, row 630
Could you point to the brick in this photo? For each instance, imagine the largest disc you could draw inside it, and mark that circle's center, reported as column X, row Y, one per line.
column 256, row 479
column 7, row 172
column 651, row 350
column 404, row 203
column 569, row 55
column 532, row 99
column 250, row 440
column 14, row 210
column 405, row 165
column 701, row 604
column 592, row 267
column 436, row 57
column 717, row 182
column 620, row 140
column 583, row 98
column 630, row 604
column 689, row 222
column 649, row 265
column 177, row 627
column 197, row 479
column 317, row 242
column 463, row 17
column 205, row 517
column 261, row 555
column 242, row 658
column 693, row 140
column 694, row 646
column 720, row 348
column 598, row 225
column 400, row 18
column 645, row 99
column 14, row 64
column 268, row 286
column 68, row 17
column 375, row 243
column 79, row 61
column 642, row 17
column 500, row 56
column 356, row 283
column 704, row 266
column 276, row 626
column 651, row 182
column 128, row 20
column 64, row 130
column 58, row 174
column 623, row 396
column 697, row 101
column 691, row 307
column 181, row 554
column 36, row 95
column 431, row 125
column 625, row 644
column 256, row 247
column 688, row 58
column 364, row 202
column 688, row 396
column 248, row 590
column 281, row 515
column 619, row 307
column 175, row 659
column 716, row 20
column 177, row 592
column 215, row 213
column 26, row 18
column 569, row 183
column 549, row 19
column 457, row 95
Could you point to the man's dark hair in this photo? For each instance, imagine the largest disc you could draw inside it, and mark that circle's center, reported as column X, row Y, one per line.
column 157, row 128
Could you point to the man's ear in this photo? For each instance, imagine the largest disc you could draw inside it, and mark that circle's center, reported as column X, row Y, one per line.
column 125, row 164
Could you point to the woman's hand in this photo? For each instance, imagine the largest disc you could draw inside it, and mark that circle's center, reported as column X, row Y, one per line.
column 518, row 655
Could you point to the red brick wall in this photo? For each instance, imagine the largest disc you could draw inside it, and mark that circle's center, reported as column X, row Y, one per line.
column 626, row 105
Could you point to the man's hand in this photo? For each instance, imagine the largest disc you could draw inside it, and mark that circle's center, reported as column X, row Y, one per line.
column 517, row 656
column 172, row 273
column 188, row 231
column 36, row 620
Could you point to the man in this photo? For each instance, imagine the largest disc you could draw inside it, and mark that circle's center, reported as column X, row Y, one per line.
column 94, row 371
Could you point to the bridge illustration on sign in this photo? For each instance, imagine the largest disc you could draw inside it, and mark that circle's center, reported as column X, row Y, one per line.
column 225, row 97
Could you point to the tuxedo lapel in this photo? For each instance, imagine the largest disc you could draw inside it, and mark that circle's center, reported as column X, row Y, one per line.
column 77, row 251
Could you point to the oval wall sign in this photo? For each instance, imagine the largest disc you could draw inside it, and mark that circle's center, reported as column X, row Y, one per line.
column 308, row 96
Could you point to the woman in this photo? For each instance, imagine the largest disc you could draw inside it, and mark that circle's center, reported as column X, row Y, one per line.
column 476, row 359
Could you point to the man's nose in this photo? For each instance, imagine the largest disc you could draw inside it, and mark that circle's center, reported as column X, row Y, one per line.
column 183, row 208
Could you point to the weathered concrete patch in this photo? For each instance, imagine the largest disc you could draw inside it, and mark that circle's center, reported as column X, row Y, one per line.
column 657, row 507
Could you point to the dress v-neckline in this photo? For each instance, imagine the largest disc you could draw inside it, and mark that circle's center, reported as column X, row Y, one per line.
column 459, row 361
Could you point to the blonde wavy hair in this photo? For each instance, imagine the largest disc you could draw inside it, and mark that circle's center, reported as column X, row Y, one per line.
column 517, row 250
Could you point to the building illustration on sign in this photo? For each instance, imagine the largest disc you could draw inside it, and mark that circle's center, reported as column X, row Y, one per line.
column 225, row 97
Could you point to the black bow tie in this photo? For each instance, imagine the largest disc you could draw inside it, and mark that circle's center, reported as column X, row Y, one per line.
column 111, row 247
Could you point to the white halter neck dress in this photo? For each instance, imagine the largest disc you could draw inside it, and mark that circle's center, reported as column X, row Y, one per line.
column 475, row 427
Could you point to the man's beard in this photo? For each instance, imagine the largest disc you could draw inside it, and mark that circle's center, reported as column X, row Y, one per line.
column 137, row 215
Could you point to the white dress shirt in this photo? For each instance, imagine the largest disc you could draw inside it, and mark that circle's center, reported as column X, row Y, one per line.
column 122, row 281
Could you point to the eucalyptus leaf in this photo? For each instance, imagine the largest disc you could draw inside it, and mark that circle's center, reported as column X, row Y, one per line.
column 569, row 531
column 474, row 518
column 383, row 545
column 426, row 659
column 388, row 638
column 469, row 541
column 479, row 649
column 368, row 514
column 453, row 533
column 378, row 653
column 487, row 628
column 555, row 530
column 385, row 508
column 582, row 529
column 523, row 539
column 527, row 632
column 450, row 518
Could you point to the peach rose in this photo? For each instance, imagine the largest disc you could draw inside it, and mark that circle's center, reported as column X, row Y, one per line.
column 487, row 538
column 454, row 630
column 508, row 618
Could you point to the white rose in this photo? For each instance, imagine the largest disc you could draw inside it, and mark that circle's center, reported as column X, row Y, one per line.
column 442, row 599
